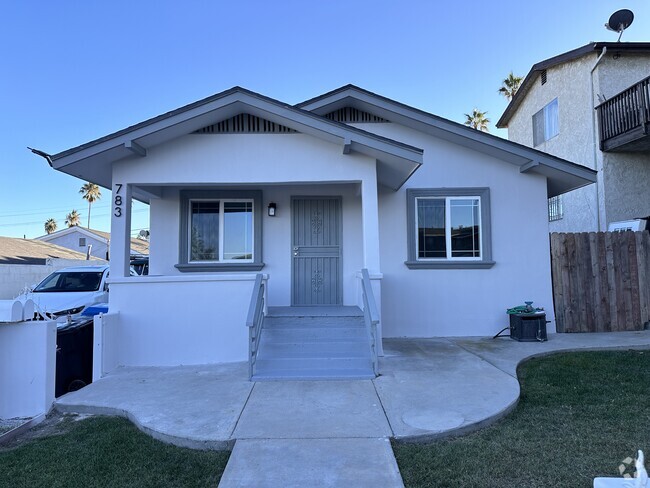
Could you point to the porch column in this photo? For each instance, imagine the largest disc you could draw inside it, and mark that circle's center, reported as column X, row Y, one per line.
column 120, row 246
column 370, row 224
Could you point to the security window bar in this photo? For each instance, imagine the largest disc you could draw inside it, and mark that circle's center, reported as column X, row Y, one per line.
column 221, row 231
column 555, row 209
column 448, row 228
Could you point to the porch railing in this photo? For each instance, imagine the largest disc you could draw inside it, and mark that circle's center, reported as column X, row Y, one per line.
column 624, row 112
column 371, row 316
column 254, row 322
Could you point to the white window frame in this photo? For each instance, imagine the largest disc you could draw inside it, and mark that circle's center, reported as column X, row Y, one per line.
column 544, row 113
column 448, row 248
column 220, row 259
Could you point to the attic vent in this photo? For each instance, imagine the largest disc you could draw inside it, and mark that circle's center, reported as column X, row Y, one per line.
column 245, row 124
column 543, row 77
column 349, row 114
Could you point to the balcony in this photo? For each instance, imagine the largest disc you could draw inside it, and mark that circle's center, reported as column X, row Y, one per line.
column 624, row 120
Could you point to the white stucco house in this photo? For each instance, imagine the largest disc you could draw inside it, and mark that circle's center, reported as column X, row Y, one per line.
column 591, row 105
column 91, row 241
column 449, row 222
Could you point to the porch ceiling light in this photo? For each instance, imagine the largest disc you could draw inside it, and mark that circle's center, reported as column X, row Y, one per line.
column 272, row 208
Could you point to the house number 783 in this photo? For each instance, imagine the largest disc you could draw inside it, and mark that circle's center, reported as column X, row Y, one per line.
column 117, row 200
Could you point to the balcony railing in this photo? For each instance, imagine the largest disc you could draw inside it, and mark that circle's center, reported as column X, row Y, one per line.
column 624, row 119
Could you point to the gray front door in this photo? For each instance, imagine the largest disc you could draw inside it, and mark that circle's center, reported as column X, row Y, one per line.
column 316, row 251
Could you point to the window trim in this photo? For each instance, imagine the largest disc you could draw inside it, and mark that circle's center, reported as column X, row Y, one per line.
column 222, row 202
column 543, row 113
column 485, row 261
column 186, row 197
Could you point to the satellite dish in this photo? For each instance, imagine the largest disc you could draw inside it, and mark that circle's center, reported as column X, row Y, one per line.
column 619, row 21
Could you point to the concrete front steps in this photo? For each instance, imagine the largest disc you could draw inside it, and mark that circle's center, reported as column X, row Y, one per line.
column 313, row 343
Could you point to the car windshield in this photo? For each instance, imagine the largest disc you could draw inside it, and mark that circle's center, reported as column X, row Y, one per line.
column 71, row 282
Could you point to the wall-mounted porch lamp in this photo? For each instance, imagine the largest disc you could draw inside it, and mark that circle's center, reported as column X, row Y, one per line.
column 271, row 209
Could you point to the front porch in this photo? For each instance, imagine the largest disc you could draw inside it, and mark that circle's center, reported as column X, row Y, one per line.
column 206, row 258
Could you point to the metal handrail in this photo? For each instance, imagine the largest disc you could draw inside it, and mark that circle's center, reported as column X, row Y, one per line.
column 254, row 322
column 371, row 316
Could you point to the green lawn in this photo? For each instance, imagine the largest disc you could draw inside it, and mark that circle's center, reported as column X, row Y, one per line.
column 106, row 452
column 580, row 415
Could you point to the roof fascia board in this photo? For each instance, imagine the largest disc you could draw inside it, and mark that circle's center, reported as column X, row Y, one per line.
column 528, row 159
column 121, row 143
column 429, row 123
column 573, row 170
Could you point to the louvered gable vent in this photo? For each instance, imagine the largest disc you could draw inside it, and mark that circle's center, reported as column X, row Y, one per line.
column 245, row 124
column 351, row 115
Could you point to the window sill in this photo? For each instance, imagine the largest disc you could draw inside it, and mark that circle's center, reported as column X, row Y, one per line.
column 449, row 264
column 216, row 267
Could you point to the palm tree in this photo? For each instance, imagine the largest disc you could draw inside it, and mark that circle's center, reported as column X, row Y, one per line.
column 477, row 120
column 91, row 193
column 50, row 226
column 72, row 219
column 510, row 85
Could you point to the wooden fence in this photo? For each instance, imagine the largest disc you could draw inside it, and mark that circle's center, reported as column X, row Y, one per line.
column 601, row 281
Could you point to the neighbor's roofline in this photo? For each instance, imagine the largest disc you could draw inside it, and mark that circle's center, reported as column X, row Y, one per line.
column 223, row 94
column 501, row 143
column 70, row 230
column 520, row 94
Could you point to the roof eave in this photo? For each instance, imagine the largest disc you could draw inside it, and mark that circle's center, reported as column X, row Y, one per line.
column 135, row 140
column 528, row 159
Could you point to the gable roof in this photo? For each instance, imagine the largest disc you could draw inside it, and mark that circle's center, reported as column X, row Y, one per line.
column 592, row 47
column 29, row 251
column 562, row 175
column 92, row 161
column 138, row 246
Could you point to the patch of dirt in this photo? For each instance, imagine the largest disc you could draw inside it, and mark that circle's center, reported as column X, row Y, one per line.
column 54, row 424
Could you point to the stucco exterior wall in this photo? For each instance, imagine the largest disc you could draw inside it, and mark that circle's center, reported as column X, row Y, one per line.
column 626, row 175
column 463, row 302
column 276, row 236
column 623, row 178
column 163, row 321
column 416, row 303
column 570, row 84
column 288, row 163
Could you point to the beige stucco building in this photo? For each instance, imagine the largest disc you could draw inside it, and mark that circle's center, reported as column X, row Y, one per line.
column 591, row 106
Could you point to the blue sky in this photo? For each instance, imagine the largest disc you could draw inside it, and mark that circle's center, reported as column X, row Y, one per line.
column 75, row 71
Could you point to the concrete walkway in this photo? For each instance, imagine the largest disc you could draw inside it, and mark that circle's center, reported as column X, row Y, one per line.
column 330, row 433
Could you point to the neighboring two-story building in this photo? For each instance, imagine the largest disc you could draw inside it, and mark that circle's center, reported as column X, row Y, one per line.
column 591, row 105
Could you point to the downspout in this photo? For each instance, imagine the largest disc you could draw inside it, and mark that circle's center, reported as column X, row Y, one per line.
column 595, row 132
